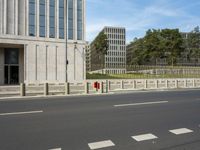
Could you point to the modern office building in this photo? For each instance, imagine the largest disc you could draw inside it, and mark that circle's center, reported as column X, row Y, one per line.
column 114, row 62
column 42, row 41
column 88, row 57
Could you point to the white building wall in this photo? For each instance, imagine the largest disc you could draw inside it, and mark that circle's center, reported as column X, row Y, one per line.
column 76, row 69
column 46, row 63
column 44, row 58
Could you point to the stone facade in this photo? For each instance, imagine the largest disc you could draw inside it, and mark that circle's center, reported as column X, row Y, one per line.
column 42, row 59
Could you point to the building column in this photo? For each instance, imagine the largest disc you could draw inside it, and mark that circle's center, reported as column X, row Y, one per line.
column 37, row 18
column 10, row 17
column 16, row 13
column 27, row 18
column 84, row 19
column 21, row 18
column 4, row 16
column 57, row 19
column 75, row 19
column 47, row 18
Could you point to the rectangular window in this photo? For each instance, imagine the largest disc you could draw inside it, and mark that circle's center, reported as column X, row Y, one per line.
column 52, row 18
column 32, row 10
column 70, row 20
column 80, row 19
column 42, row 18
column 61, row 19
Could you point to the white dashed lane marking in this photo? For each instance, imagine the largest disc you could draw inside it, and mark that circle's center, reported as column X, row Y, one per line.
column 56, row 149
column 144, row 137
column 101, row 144
column 181, row 131
column 21, row 113
column 138, row 104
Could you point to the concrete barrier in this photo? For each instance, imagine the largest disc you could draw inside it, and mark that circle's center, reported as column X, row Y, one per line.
column 106, row 86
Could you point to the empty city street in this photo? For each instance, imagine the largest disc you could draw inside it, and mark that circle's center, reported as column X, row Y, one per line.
column 167, row 120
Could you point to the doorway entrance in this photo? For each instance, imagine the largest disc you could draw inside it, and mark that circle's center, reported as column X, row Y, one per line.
column 11, row 66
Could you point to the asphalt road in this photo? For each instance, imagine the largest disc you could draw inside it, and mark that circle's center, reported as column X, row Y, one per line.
column 135, row 121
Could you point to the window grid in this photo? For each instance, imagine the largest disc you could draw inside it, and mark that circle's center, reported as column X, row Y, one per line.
column 32, row 19
column 42, row 18
column 52, row 19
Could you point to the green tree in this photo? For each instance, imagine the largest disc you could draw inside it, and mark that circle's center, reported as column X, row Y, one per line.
column 99, row 48
column 166, row 43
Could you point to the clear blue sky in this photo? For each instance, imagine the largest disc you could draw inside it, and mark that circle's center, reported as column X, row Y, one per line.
column 140, row 15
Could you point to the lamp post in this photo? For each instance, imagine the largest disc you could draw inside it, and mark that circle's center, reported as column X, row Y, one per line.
column 75, row 47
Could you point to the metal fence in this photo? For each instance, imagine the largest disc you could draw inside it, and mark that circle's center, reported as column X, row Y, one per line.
column 143, row 72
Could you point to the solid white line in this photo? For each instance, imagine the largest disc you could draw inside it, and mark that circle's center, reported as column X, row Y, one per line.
column 21, row 113
column 56, row 149
column 138, row 104
column 181, row 131
column 144, row 137
column 102, row 144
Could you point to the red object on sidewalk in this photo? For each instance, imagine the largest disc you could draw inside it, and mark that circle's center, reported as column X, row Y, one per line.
column 98, row 85
column 95, row 85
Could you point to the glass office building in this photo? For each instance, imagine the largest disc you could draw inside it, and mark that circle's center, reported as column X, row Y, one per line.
column 46, row 37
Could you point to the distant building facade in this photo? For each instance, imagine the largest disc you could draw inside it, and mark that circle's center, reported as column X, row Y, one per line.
column 42, row 41
column 88, row 57
column 115, row 60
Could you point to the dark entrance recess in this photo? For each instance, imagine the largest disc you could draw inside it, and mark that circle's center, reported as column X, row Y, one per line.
column 11, row 67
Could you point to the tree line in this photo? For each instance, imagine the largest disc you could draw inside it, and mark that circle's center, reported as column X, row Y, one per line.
column 166, row 44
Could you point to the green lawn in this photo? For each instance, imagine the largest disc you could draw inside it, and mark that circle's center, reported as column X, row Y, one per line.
column 138, row 76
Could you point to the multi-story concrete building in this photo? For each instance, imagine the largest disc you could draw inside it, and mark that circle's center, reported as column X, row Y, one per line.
column 115, row 60
column 42, row 41
column 88, row 58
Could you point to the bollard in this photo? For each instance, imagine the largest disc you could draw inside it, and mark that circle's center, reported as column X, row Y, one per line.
column 107, row 86
column 176, row 84
column 145, row 84
column 22, row 90
column 193, row 82
column 166, row 84
column 122, row 84
column 101, row 87
column 185, row 83
column 46, row 89
column 67, row 90
column 156, row 83
column 86, row 88
column 134, row 84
